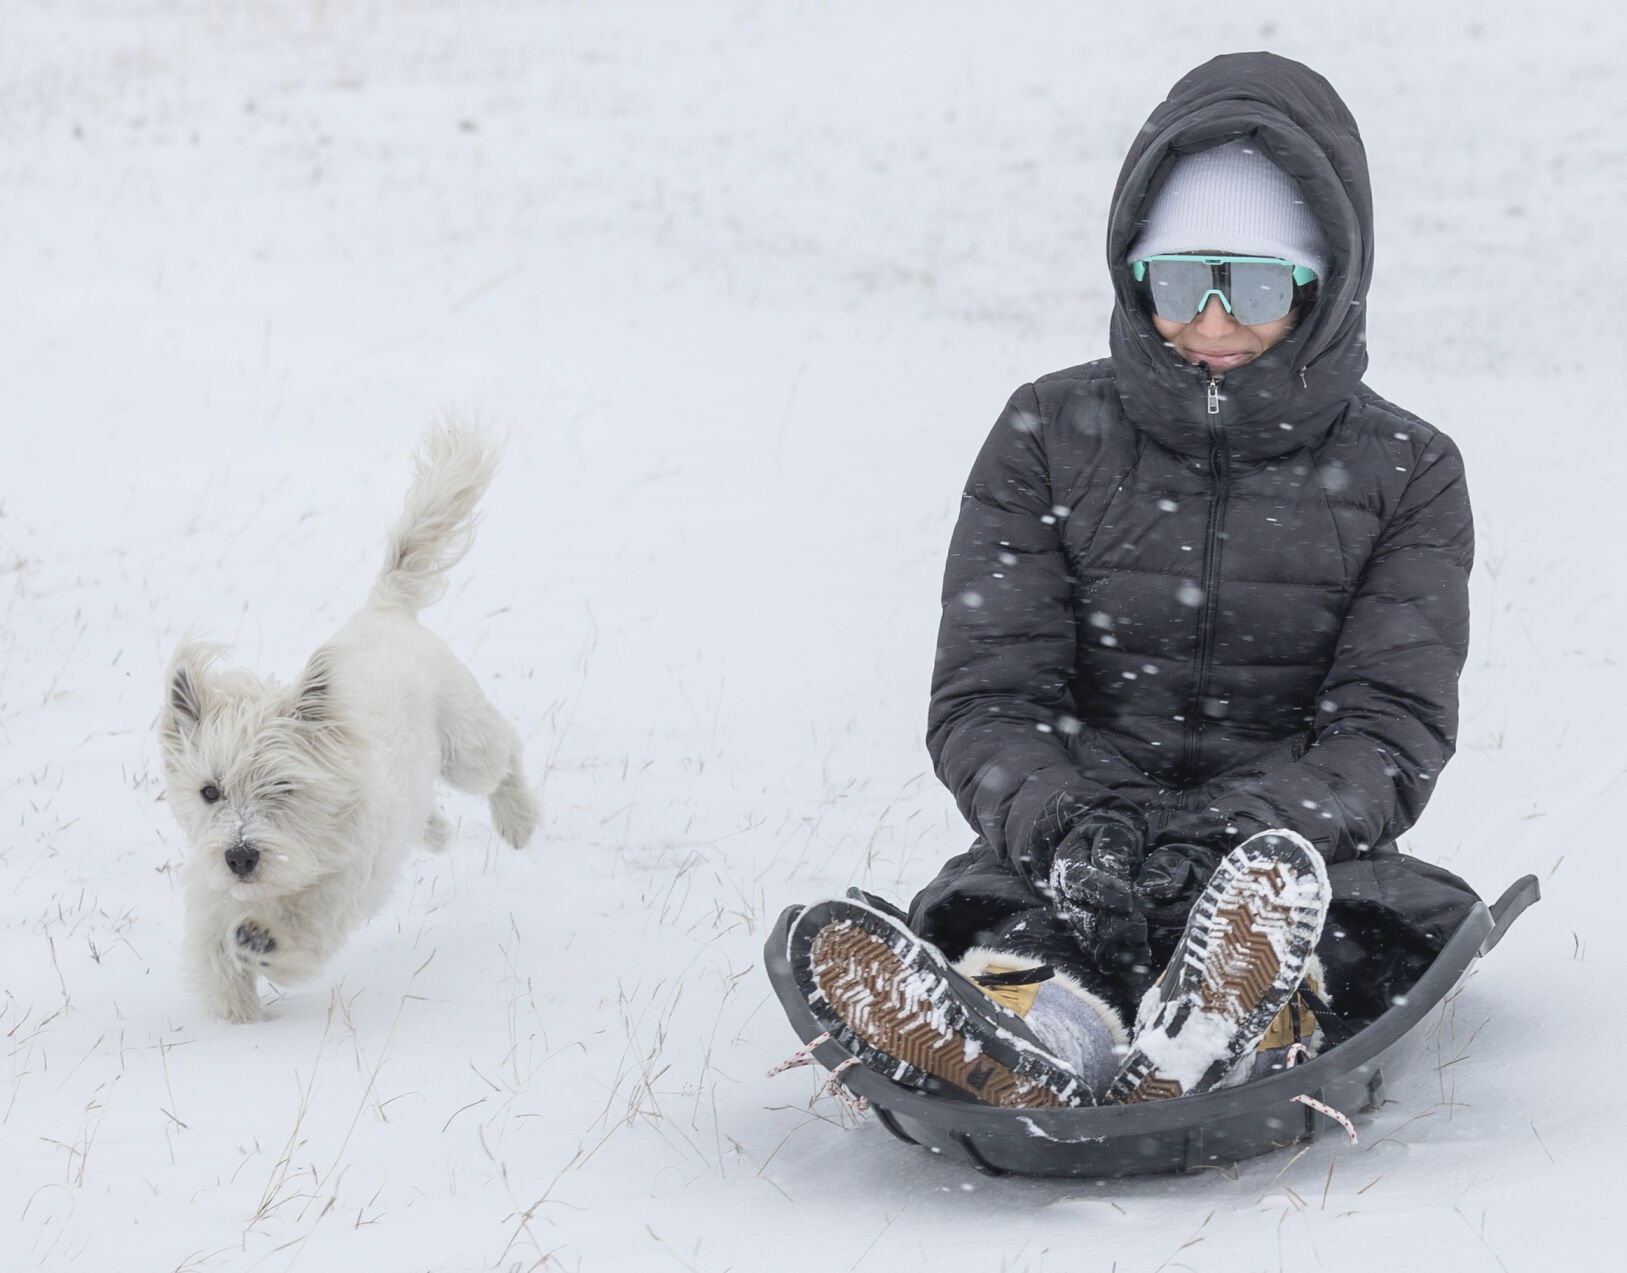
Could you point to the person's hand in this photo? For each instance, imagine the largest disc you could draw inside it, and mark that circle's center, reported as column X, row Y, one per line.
column 1092, row 879
column 1095, row 865
column 1170, row 879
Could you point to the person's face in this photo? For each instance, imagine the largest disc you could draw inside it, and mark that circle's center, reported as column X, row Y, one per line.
column 1215, row 337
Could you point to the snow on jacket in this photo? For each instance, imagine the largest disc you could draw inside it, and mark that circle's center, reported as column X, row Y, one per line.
column 1231, row 605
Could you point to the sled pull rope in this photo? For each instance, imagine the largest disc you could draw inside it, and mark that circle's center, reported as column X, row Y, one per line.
column 833, row 1085
column 1297, row 1053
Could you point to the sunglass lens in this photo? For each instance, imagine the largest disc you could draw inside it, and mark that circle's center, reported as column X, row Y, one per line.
column 1261, row 291
column 1179, row 287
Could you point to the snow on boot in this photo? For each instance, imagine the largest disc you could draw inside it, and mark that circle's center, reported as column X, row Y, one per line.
column 1237, row 965
column 893, row 1001
column 1072, row 1022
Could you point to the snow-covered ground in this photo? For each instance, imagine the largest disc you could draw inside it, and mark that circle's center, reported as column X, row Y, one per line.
column 744, row 285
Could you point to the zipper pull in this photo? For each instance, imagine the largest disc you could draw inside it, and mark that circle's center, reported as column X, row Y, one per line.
column 1303, row 383
column 1214, row 395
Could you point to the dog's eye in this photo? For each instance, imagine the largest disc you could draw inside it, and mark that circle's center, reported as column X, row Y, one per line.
column 210, row 793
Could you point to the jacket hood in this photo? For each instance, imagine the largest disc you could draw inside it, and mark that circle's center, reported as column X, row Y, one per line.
column 1290, row 395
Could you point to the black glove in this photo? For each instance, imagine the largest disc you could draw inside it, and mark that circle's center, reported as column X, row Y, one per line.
column 1092, row 878
column 1170, row 880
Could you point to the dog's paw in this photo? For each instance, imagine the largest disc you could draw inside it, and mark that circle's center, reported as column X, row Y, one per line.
column 240, row 1008
column 229, row 979
column 514, row 811
column 254, row 943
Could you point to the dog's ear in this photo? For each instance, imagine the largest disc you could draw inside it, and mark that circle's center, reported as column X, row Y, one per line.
column 313, row 696
column 186, row 691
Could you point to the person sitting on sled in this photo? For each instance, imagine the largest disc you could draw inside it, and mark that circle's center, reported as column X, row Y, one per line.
column 1203, row 618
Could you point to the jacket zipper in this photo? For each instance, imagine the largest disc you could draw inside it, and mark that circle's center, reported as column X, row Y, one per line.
column 1220, row 470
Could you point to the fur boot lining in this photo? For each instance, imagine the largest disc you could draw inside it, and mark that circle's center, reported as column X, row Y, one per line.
column 979, row 960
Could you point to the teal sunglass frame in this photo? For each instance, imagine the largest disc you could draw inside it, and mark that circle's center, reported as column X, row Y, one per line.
column 1253, row 289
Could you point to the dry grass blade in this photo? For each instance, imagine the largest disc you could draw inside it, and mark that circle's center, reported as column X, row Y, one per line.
column 271, row 1195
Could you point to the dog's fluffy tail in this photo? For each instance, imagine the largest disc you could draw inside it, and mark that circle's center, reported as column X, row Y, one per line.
column 454, row 464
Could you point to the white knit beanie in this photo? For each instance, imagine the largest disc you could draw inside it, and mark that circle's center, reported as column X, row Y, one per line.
column 1232, row 199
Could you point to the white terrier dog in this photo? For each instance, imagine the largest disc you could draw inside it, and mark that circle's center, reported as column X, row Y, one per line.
column 300, row 803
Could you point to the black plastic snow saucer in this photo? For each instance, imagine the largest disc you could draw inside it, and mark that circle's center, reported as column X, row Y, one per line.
column 1208, row 1130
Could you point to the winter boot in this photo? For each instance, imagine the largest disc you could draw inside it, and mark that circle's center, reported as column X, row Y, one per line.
column 1072, row 1022
column 1242, row 957
column 895, row 1003
column 1300, row 1022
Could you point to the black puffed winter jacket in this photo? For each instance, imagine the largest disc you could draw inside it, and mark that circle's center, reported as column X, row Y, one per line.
column 1229, row 604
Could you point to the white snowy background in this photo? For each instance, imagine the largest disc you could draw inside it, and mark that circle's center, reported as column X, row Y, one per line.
column 744, row 285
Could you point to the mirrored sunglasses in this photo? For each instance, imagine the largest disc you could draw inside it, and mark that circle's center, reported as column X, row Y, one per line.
column 1254, row 289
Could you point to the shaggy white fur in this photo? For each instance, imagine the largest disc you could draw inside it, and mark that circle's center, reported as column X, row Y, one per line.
column 300, row 803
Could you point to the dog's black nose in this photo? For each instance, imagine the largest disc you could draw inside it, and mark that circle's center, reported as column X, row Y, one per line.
column 242, row 858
